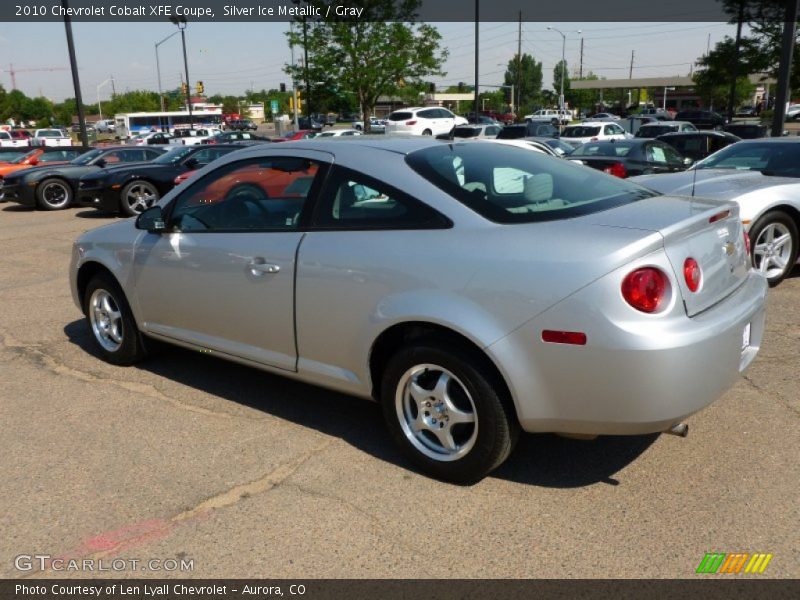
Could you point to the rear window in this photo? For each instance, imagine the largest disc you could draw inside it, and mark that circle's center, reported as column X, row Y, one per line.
column 603, row 149
column 50, row 133
column 511, row 185
column 466, row 132
column 512, row 132
column 400, row 116
column 649, row 131
column 580, row 131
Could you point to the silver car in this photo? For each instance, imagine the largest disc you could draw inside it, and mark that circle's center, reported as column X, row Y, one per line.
column 763, row 177
column 475, row 290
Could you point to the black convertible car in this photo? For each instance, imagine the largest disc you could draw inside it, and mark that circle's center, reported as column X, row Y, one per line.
column 625, row 158
column 130, row 189
column 54, row 187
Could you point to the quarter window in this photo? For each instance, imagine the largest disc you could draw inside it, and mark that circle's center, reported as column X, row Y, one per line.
column 257, row 194
column 354, row 201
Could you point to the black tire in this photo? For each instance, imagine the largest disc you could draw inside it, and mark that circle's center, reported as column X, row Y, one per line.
column 780, row 220
column 53, row 194
column 486, row 447
column 131, row 347
column 427, row 132
column 132, row 210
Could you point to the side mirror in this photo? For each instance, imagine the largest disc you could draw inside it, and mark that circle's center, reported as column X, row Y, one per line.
column 101, row 162
column 151, row 220
column 191, row 163
column 688, row 161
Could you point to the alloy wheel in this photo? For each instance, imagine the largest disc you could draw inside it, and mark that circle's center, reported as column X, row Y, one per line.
column 106, row 320
column 772, row 250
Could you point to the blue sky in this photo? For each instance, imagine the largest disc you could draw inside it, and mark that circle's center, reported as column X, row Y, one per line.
column 231, row 57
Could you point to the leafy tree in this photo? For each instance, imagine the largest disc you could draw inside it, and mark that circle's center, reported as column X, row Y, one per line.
column 560, row 71
column 584, row 98
column 529, row 82
column 380, row 53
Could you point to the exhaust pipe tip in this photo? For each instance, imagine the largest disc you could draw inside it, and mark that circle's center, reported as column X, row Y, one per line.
column 680, row 429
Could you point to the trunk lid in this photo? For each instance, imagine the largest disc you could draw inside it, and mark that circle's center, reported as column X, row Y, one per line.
column 706, row 230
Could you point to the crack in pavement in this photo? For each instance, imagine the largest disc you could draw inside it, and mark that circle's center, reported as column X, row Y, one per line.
column 112, row 543
column 38, row 356
column 776, row 395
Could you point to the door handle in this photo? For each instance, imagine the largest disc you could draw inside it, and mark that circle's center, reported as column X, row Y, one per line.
column 261, row 268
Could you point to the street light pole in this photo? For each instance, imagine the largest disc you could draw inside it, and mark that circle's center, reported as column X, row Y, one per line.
column 181, row 24
column 99, row 108
column 563, row 67
column 158, row 70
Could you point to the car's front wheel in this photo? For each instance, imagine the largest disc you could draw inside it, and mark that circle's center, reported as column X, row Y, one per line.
column 137, row 197
column 53, row 194
column 775, row 242
column 444, row 409
column 110, row 318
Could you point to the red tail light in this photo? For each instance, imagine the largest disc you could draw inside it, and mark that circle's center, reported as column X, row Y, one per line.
column 719, row 216
column 617, row 170
column 645, row 289
column 411, row 122
column 692, row 274
column 576, row 338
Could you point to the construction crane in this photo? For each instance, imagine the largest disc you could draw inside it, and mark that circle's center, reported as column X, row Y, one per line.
column 13, row 72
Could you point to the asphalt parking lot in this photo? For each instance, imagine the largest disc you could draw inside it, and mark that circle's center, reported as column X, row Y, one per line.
column 247, row 474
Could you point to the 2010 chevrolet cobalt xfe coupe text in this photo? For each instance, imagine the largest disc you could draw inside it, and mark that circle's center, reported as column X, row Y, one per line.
column 475, row 290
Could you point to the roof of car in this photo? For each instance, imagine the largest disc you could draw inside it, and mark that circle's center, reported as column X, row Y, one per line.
column 398, row 144
column 678, row 134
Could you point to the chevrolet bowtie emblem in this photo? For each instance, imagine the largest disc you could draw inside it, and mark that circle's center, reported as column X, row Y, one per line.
column 729, row 249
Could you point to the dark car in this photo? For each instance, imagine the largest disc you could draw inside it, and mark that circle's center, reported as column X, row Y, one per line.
column 625, row 158
column 653, row 130
column 529, row 129
column 702, row 119
column 130, row 189
column 747, row 131
column 698, row 144
column 54, row 188
column 309, row 123
column 234, row 136
column 242, row 125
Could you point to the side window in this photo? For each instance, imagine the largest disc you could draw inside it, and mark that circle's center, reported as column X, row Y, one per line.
column 609, row 130
column 656, row 154
column 430, row 113
column 134, row 155
column 114, row 157
column 354, row 201
column 55, row 156
column 445, row 114
column 250, row 195
column 150, row 154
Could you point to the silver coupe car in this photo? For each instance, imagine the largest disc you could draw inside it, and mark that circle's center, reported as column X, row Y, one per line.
column 474, row 290
column 763, row 177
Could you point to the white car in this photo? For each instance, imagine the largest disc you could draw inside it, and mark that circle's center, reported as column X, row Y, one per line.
column 376, row 125
column 105, row 126
column 190, row 137
column 150, row 139
column 549, row 115
column 477, row 131
column 593, row 131
column 338, row 133
column 7, row 141
column 425, row 120
column 50, row 137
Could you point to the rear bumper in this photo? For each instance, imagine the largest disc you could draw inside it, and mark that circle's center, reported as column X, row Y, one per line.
column 634, row 375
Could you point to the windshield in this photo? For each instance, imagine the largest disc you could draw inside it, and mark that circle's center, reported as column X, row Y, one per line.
column 506, row 184
column 466, row 132
column 85, row 159
column 580, row 131
column 174, row 156
column 19, row 160
column 770, row 158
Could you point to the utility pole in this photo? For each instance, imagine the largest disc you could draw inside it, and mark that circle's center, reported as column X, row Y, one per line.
column 113, row 87
column 784, row 67
column 75, row 80
column 519, row 67
column 735, row 61
column 630, row 73
column 580, row 69
column 477, row 25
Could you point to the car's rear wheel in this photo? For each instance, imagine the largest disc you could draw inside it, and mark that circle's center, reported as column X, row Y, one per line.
column 427, row 132
column 775, row 241
column 444, row 409
column 111, row 321
column 53, row 194
column 137, row 197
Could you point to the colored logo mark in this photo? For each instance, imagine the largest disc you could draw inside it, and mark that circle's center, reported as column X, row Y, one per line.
column 738, row 562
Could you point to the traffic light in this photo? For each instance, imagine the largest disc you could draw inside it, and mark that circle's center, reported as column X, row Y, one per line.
column 299, row 101
column 184, row 89
column 283, row 87
column 199, row 87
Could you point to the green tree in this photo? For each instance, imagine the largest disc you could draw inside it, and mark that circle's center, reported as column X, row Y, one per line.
column 560, row 71
column 529, row 82
column 380, row 53
column 581, row 99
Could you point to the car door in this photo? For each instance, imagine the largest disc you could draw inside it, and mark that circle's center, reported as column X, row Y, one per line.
column 222, row 276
